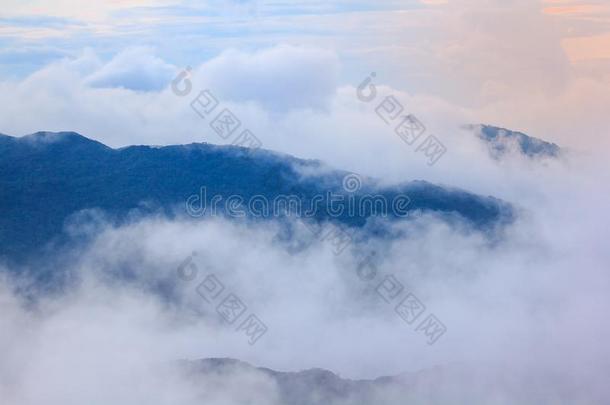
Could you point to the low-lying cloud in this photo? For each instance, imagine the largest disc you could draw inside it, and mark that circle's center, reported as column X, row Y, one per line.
column 527, row 305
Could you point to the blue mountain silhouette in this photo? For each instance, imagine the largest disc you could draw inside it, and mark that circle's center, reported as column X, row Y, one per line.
column 501, row 141
column 46, row 177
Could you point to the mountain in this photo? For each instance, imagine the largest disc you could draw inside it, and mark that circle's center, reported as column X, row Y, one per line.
column 502, row 141
column 46, row 177
column 437, row 385
column 313, row 386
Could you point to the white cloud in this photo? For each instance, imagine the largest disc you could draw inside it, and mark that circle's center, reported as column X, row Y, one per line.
column 281, row 78
column 512, row 305
column 134, row 69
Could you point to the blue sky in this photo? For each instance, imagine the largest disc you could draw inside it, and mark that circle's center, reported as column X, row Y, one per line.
column 184, row 32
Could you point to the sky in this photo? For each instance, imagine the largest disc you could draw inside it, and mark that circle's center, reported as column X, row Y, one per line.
column 291, row 72
column 536, row 66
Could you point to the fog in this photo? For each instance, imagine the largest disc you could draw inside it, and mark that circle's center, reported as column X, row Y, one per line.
column 523, row 308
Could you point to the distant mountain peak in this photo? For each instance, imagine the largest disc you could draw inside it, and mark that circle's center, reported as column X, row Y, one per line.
column 53, row 137
column 59, row 139
column 501, row 141
column 432, row 385
column 222, row 364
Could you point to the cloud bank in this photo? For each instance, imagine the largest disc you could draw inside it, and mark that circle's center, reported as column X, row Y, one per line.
column 528, row 306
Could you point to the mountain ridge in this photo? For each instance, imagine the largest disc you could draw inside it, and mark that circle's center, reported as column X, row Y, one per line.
column 45, row 177
column 482, row 384
column 501, row 141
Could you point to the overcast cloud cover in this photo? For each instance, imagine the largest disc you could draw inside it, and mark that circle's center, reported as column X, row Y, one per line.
column 525, row 310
